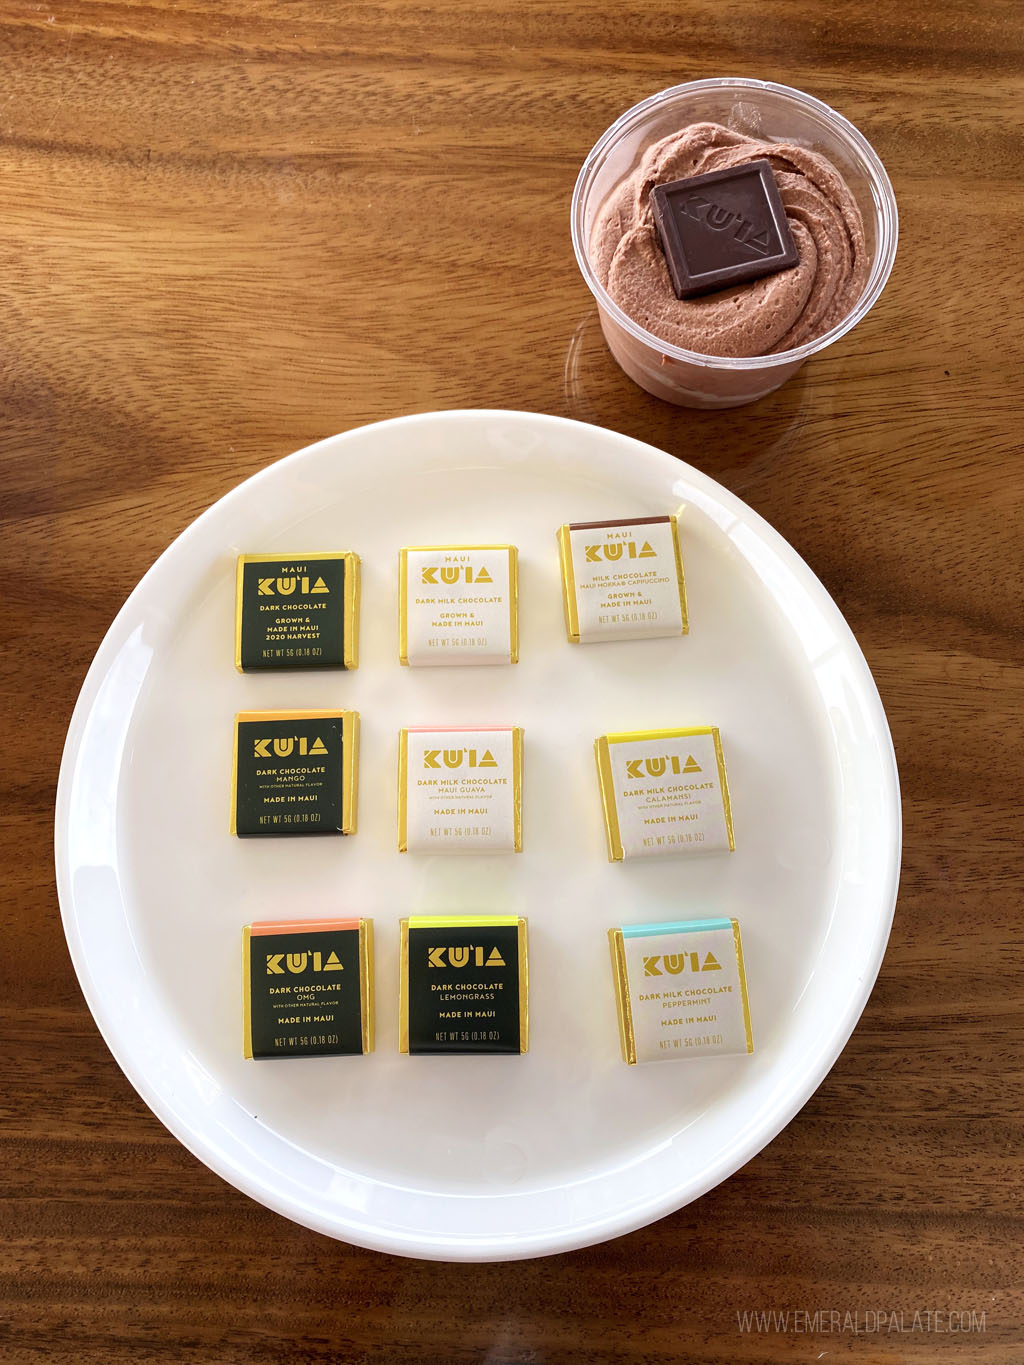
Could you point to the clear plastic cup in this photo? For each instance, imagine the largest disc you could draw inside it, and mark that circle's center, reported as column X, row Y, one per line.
column 761, row 109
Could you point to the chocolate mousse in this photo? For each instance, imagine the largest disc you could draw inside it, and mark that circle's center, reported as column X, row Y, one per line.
column 761, row 317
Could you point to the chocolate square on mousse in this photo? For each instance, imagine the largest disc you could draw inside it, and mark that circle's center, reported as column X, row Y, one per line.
column 724, row 228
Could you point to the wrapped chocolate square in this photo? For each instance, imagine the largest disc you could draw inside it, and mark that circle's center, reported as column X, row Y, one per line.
column 460, row 789
column 297, row 611
column 664, row 792
column 294, row 773
column 463, row 985
column 458, row 604
column 622, row 580
column 681, row 990
column 307, row 988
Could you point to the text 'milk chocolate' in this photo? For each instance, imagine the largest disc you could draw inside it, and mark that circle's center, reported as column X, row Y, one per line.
column 724, row 228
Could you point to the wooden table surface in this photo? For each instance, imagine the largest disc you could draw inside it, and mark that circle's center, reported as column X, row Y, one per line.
column 230, row 229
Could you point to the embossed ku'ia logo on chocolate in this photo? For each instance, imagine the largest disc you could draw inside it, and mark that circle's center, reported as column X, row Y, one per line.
column 719, row 218
column 722, row 229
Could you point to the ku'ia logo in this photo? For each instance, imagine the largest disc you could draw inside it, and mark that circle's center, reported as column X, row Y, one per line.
column 674, row 963
column 455, row 573
column 620, row 549
column 472, row 955
column 721, row 219
column 288, row 585
column 658, row 767
column 299, row 745
column 300, row 962
column 454, row 758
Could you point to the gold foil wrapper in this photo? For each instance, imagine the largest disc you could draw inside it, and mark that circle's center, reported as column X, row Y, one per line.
column 367, row 1006
column 350, row 608
column 517, row 785
column 464, row 922
column 350, row 758
column 570, row 599
column 606, row 779
column 624, row 990
column 403, row 592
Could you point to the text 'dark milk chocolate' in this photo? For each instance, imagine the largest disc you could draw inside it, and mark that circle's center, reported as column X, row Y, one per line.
column 664, row 792
column 307, row 988
column 622, row 580
column 295, row 773
column 460, row 789
column 299, row 611
column 458, row 604
column 463, row 985
column 681, row 990
column 723, row 228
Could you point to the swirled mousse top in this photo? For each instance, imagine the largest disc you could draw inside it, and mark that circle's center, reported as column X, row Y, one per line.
column 761, row 317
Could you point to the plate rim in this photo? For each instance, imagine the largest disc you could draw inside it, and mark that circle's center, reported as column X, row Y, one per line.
column 479, row 1247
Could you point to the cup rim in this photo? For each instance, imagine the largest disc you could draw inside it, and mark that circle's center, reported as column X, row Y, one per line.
column 887, row 225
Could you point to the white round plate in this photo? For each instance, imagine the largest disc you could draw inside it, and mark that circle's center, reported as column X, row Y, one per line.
column 473, row 1158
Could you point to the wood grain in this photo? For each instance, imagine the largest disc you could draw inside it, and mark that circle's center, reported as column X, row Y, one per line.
column 230, row 229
